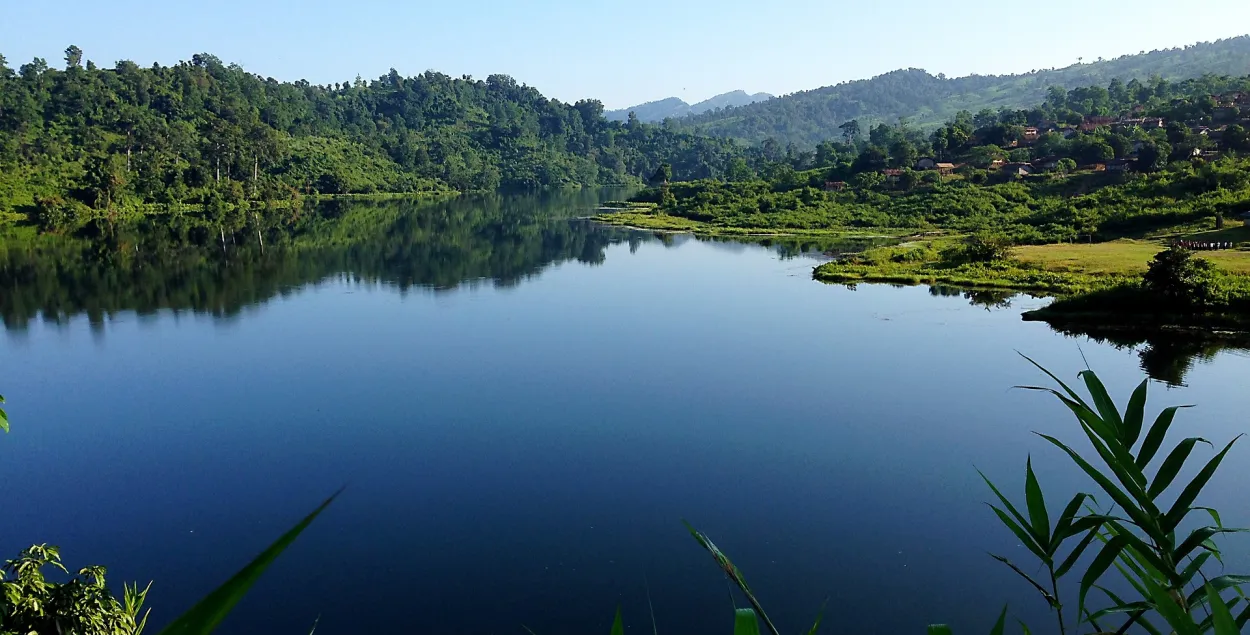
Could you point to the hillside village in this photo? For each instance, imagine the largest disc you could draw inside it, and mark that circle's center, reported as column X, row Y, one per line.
column 1006, row 145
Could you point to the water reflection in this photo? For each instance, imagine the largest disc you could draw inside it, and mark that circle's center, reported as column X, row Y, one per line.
column 186, row 263
column 1165, row 356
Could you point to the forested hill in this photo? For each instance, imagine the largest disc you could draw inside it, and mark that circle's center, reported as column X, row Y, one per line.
column 87, row 139
column 809, row 117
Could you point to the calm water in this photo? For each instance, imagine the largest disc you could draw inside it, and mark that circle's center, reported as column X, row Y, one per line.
column 524, row 409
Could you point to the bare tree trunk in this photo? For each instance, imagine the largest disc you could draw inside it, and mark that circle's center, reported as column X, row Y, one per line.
column 128, row 153
column 260, row 239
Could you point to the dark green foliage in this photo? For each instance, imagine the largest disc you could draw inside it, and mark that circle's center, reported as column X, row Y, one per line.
column 980, row 248
column 110, row 142
column 1126, row 519
column 1180, row 279
column 29, row 603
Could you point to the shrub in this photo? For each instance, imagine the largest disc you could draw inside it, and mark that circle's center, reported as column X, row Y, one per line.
column 1179, row 278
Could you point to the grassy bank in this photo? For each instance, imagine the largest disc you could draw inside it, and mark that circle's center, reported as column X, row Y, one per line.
column 1058, row 269
column 647, row 216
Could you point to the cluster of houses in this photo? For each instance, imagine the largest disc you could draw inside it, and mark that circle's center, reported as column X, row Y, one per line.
column 1232, row 108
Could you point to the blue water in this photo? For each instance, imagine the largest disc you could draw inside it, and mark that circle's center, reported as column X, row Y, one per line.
column 523, row 454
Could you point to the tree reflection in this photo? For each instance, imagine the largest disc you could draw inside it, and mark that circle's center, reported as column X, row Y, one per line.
column 189, row 263
column 1164, row 356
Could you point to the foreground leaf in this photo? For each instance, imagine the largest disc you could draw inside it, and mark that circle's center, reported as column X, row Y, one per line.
column 1154, row 438
column 618, row 626
column 206, row 615
column 1220, row 615
column 745, row 623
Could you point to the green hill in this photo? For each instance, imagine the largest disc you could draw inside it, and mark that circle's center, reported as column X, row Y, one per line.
column 808, row 117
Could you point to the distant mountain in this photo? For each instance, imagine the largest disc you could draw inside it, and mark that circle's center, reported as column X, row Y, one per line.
column 809, row 117
column 655, row 111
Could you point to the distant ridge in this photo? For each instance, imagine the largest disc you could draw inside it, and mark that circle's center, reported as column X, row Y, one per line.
column 656, row 111
column 808, row 117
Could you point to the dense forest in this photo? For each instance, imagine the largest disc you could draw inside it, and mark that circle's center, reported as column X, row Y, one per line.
column 88, row 140
column 809, row 117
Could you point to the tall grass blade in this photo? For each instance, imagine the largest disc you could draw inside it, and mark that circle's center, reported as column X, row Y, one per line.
column 1199, row 538
column 745, row 622
column 1036, row 504
column 1001, row 624
column 1222, row 619
column 819, row 617
column 206, row 615
column 1134, row 414
column 1076, row 553
column 1116, row 494
column 4, row 417
column 1102, row 401
column 1194, row 566
column 1172, row 465
column 1154, row 438
column 1071, row 393
column 1025, row 539
column 1064, row 526
column 1101, row 563
column 939, row 629
column 1177, row 618
column 732, row 573
column 618, row 626
column 1024, row 524
column 1181, row 507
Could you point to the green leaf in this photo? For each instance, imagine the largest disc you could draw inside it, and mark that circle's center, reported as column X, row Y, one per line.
column 1172, row 465
column 1134, row 414
column 940, row 629
column 1101, row 563
column 1194, row 566
column 618, row 627
column 1221, row 617
column 1154, row 439
column 1076, row 553
column 1198, row 538
column 1181, row 507
column 1001, row 623
column 1141, row 519
column 819, row 618
column 1064, row 526
column 4, row 417
column 745, row 623
column 1102, row 401
column 1178, row 619
column 1035, row 539
column 1024, row 627
column 1020, row 533
column 1071, row 393
column 1136, row 618
column 1037, row 505
column 210, row 611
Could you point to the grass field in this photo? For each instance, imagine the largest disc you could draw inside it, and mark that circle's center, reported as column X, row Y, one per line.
column 1125, row 256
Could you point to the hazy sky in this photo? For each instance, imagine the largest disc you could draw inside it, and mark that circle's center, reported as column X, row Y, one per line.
column 620, row 52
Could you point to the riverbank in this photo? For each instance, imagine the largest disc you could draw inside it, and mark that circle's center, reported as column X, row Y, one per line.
column 646, row 216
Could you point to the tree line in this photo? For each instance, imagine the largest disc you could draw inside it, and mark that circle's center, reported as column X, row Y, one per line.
column 83, row 140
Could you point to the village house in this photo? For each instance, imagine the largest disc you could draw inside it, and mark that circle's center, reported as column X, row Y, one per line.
column 1031, row 135
column 1092, row 123
column 1093, row 167
column 1121, row 165
column 1017, row 169
column 835, row 186
column 892, row 176
column 946, row 169
column 1047, row 163
column 997, row 163
column 926, row 163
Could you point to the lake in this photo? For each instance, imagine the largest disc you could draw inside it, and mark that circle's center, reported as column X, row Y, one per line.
column 524, row 407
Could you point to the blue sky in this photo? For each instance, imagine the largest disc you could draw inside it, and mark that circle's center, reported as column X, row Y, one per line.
column 621, row 53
